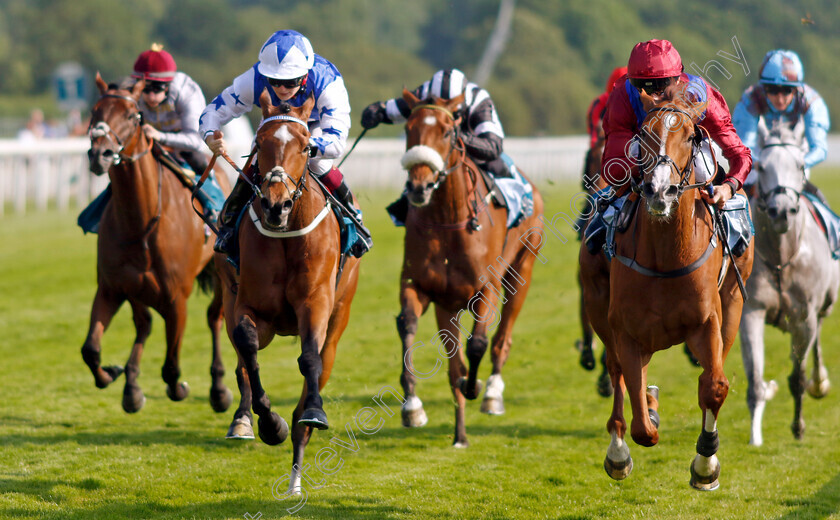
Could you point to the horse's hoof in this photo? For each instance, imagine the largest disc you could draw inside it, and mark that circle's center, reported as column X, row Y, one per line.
column 182, row 390
column 241, row 429
column 708, row 483
column 605, row 386
column 798, row 429
column 587, row 358
column 818, row 391
column 112, row 372
column 492, row 406
column 314, row 417
column 461, row 444
column 133, row 399
column 220, row 400
column 413, row 415
column 471, row 395
column 273, row 431
column 618, row 470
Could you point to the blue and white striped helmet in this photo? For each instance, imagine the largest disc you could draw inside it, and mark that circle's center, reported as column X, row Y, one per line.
column 286, row 55
column 448, row 84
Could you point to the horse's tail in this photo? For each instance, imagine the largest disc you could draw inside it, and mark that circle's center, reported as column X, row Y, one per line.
column 205, row 278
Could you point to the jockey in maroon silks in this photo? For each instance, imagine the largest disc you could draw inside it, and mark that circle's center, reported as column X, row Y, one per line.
column 655, row 66
column 595, row 114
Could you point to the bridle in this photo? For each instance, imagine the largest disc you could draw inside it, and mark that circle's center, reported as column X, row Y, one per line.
column 278, row 173
column 454, row 136
column 763, row 196
column 102, row 129
column 683, row 174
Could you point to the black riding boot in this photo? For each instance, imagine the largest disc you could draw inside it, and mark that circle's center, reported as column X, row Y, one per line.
column 230, row 212
column 813, row 190
column 365, row 242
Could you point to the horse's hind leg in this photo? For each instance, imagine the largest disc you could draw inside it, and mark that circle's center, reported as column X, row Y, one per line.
column 802, row 337
column 413, row 306
column 220, row 395
column 618, row 464
column 246, row 339
column 819, row 385
column 133, row 398
column 585, row 345
column 176, row 319
column 102, row 312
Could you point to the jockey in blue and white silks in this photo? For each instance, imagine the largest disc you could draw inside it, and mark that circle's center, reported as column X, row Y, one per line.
column 290, row 71
column 781, row 95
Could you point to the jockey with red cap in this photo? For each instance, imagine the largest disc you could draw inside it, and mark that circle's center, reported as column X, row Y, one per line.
column 595, row 115
column 655, row 66
column 171, row 103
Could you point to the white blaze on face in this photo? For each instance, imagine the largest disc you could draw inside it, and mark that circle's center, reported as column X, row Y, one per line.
column 283, row 134
column 661, row 178
column 430, row 120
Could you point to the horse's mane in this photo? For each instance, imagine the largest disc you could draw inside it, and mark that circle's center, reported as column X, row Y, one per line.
column 781, row 133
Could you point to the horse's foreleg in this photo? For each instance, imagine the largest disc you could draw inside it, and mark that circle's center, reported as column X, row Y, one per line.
column 102, row 312
column 246, row 338
column 176, row 319
column 819, row 385
column 133, row 398
column 712, row 390
column 448, row 342
column 618, row 463
column 221, row 396
column 752, row 355
column 242, row 425
column 413, row 306
column 634, row 361
column 313, row 321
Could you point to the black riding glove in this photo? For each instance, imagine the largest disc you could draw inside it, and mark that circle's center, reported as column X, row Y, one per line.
column 373, row 115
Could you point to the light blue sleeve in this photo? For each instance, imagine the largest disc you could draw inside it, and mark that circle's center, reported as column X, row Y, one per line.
column 817, row 124
column 746, row 126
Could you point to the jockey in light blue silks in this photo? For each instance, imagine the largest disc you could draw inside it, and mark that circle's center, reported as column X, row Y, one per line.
column 291, row 72
column 782, row 96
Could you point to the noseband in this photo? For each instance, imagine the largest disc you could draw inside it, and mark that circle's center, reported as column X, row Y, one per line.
column 660, row 159
column 453, row 134
column 102, row 129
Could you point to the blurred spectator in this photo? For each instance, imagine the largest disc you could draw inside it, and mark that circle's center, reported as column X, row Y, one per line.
column 35, row 127
column 75, row 126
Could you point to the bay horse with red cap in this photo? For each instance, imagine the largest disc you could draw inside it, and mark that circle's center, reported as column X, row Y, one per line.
column 151, row 248
column 672, row 256
column 460, row 256
column 292, row 280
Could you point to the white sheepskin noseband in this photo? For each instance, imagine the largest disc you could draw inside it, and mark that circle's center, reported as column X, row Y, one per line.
column 422, row 154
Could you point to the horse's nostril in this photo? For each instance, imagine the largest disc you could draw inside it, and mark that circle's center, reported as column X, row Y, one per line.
column 647, row 189
column 108, row 154
column 794, row 210
column 286, row 206
column 772, row 212
column 672, row 191
column 430, row 186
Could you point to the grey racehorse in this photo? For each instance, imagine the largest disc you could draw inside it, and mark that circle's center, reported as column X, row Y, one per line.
column 794, row 281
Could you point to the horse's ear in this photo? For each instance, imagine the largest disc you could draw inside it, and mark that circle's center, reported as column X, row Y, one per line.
column 456, row 104
column 647, row 101
column 410, row 98
column 307, row 106
column 100, row 84
column 762, row 130
column 137, row 89
column 265, row 103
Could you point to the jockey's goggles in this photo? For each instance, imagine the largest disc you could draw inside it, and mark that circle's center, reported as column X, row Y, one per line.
column 785, row 90
column 285, row 83
column 153, row 87
column 651, row 85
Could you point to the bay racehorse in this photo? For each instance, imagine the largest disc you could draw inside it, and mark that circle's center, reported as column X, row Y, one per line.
column 152, row 246
column 460, row 256
column 670, row 254
column 591, row 181
column 794, row 284
column 291, row 280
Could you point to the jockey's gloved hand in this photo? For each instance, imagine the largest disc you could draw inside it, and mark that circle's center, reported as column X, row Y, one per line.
column 373, row 114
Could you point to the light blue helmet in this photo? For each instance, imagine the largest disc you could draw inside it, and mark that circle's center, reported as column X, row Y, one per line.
column 286, row 55
column 781, row 67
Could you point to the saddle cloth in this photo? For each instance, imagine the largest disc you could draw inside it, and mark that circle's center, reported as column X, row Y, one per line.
column 518, row 194
column 830, row 223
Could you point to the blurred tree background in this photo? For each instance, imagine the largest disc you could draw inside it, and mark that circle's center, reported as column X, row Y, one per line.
column 555, row 62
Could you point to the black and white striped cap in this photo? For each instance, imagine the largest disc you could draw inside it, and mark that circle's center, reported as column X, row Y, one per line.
column 447, row 83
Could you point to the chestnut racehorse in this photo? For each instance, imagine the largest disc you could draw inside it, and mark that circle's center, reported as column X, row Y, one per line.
column 152, row 246
column 672, row 256
column 289, row 264
column 458, row 255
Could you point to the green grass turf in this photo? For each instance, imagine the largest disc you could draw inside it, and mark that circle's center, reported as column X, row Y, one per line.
column 68, row 451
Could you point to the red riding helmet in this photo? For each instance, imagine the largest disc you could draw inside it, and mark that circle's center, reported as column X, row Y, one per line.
column 654, row 59
column 617, row 73
column 155, row 65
